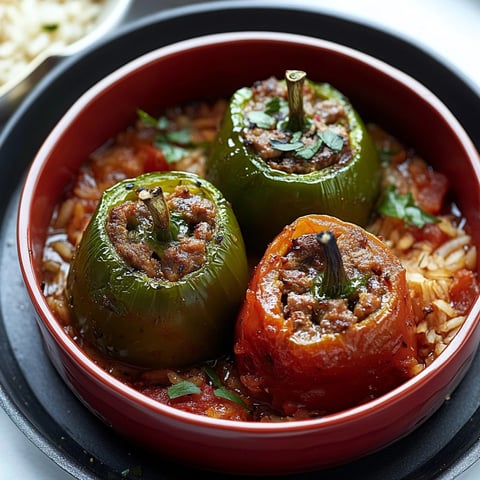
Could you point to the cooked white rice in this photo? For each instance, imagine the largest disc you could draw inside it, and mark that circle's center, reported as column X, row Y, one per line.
column 430, row 274
column 30, row 27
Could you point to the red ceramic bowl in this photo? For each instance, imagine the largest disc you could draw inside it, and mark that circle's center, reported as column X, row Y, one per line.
column 215, row 66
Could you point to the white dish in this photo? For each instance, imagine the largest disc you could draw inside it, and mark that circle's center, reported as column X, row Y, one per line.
column 12, row 92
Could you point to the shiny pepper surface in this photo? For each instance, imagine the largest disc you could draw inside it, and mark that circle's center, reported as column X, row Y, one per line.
column 131, row 310
column 265, row 199
column 309, row 354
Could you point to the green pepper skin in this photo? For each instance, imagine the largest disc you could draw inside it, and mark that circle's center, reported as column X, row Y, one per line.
column 265, row 199
column 150, row 322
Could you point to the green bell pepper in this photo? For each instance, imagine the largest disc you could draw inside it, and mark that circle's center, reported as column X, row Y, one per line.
column 265, row 196
column 156, row 282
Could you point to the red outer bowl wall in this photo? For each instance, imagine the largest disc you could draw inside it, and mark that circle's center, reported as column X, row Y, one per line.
column 278, row 448
column 297, row 448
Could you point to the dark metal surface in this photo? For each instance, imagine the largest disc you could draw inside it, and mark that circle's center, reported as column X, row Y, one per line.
column 31, row 391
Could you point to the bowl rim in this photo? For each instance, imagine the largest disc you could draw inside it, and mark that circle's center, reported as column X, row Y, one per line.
column 68, row 345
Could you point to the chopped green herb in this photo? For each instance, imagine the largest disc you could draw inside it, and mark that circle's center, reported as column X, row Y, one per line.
column 182, row 388
column 261, row 119
column 229, row 395
column 285, row 147
column 210, row 372
column 273, row 106
column 164, row 141
column 50, row 27
column 222, row 392
column 309, row 152
column 179, row 136
column 386, row 155
column 171, row 152
column 404, row 207
column 332, row 140
column 146, row 118
column 163, row 123
column 296, row 137
column 293, row 144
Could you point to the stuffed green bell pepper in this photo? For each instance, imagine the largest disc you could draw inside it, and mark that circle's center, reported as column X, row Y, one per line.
column 160, row 272
column 288, row 148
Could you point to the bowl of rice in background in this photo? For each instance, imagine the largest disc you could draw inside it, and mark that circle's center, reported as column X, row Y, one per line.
column 37, row 34
column 201, row 68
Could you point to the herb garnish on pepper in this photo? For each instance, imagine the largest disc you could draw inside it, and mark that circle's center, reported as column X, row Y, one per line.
column 159, row 272
column 292, row 147
column 327, row 322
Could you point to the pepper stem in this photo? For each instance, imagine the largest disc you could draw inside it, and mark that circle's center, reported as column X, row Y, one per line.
column 334, row 279
column 295, row 80
column 157, row 206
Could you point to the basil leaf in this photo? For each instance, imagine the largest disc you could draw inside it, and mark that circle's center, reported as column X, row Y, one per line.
column 332, row 140
column 182, row 388
column 404, row 207
column 285, row 147
column 261, row 119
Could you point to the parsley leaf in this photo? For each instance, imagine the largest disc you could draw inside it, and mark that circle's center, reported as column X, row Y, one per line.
column 272, row 106
column 146, row 118
column 387, row 155
column 308, row 152
column 404, row 207
column 261, row 119
column 171, row 152
column 161, row 124
column 222, row 392
column 182, row 388
column 285, row 147
column 50, row 27
column 179, row 136
column 332, row 140
column 276, row 105
column 210, row 372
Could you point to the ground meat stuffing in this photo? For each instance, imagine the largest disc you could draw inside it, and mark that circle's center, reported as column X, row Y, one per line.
column 193, row 214
column 312, row 314
column 322, row 114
